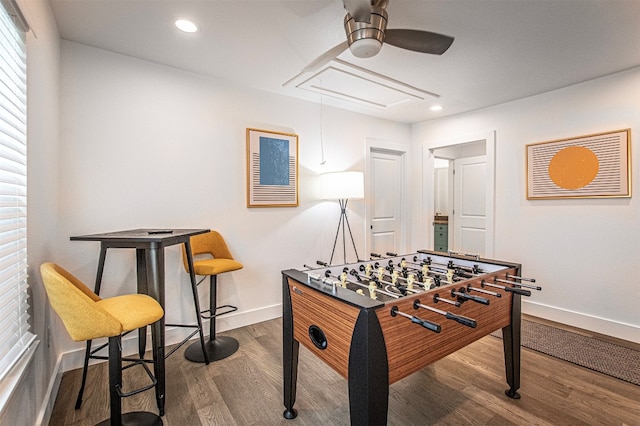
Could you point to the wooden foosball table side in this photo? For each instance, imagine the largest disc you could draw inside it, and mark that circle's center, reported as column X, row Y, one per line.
column 411, row 347
column 361, row 340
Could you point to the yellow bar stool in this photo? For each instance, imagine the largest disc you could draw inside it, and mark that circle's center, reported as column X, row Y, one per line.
column 212, row 257
column 86, row 317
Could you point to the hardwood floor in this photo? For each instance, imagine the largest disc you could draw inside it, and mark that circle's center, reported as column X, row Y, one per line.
column 465, row 388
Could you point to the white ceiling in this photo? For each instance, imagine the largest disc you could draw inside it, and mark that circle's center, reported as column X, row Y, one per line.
column 503, row 49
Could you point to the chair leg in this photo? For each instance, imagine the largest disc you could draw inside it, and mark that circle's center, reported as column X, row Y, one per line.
column 87, row 354
column 115, row 379
column 115, row 393
column 84, row 374
column 217, row 347
column 196, row 302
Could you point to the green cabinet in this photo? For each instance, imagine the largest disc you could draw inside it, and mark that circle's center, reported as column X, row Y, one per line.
column 440, row 237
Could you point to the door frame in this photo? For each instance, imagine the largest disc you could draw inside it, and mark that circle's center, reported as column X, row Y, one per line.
column 380, row 145
column 428, row 204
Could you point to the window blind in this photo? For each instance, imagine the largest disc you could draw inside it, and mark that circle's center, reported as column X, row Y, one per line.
column 15, row 334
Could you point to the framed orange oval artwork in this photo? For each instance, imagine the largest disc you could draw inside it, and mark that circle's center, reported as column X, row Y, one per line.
column 591, row 166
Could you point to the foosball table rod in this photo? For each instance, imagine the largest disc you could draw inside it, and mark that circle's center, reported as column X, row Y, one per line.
column 498, row 280
column 424, row 323
column 469, row 322
column 516, row 290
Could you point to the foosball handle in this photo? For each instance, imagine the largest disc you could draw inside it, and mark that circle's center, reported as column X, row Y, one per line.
column 469, row 322
column 426, row 324
column 466, row 296
column 516, row 290
column 478, row 299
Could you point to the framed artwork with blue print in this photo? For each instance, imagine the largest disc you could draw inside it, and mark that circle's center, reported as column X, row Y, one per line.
column 272, row 169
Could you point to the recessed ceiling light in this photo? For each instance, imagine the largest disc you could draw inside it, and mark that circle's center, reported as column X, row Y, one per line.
column 436, row 108
column 186, row 25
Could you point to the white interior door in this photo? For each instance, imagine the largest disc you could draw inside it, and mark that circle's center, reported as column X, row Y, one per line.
column 470, row 205
column 386, row 202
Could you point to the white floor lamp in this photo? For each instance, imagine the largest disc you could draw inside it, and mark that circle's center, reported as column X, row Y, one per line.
column 343, row 186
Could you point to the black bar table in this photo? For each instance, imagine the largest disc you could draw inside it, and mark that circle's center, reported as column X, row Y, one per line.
column 149, row 245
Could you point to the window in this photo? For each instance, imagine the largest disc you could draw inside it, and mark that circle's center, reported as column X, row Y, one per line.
column 15, row 336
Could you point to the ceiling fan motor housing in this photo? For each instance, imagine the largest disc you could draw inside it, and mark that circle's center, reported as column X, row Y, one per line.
column 365, row 38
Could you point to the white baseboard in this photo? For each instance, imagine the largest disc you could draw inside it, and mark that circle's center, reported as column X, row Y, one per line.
column 75, row 358
column 49, row 398
column 592, row 323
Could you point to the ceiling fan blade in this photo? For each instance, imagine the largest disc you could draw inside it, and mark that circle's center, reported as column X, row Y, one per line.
column 418, row 41
column 360, row 10
column 326, row 57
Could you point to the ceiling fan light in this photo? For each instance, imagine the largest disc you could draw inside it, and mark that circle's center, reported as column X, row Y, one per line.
column 365, row 47
column 365, row 38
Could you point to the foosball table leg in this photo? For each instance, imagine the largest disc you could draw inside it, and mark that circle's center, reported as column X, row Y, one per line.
column 511, row 338
column 368, row 372
column 290, row 380
column 291, row 349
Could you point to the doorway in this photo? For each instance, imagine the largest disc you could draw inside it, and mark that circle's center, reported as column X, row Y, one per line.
column 386, row 210
column 458, row 198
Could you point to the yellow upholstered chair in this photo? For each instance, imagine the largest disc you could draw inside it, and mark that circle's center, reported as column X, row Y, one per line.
column 212, row 257
column 86, row 316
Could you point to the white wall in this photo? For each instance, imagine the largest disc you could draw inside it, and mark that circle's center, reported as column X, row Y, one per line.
column 144, row 145
column 584, row 253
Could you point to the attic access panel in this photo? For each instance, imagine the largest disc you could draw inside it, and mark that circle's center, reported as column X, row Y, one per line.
column 355, row 84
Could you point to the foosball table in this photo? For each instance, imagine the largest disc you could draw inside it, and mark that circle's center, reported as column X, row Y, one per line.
column 376, row 322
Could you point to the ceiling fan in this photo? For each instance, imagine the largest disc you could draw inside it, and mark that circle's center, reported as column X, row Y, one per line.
column 365, row 25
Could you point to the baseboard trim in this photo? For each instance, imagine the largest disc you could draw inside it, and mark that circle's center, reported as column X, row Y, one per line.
column 604, row 326
column 75, row 358
column 49, row 398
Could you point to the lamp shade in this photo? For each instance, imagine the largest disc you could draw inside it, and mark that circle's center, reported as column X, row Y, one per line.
column 342, row 185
